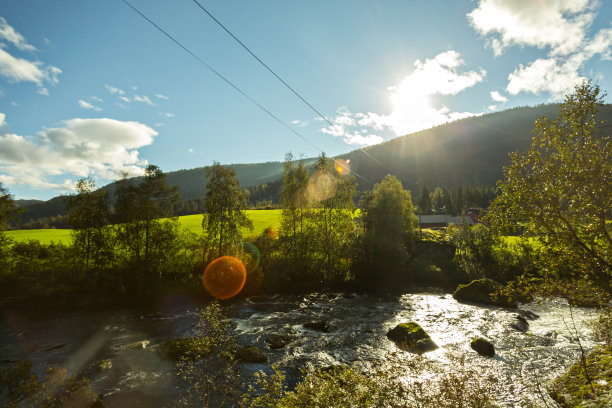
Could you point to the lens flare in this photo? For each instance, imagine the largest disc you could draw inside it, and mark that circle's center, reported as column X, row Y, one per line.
column 224, row 277
column 248, row 254
column 343, row 167
column 320, row 186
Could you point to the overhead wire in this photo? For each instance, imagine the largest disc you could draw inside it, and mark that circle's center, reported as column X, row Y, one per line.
column 296, row 93
column 236, row 88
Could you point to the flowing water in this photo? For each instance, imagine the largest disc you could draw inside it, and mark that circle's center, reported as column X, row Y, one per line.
column 116, row 349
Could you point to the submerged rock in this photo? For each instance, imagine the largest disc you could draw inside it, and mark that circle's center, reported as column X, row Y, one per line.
column 521, row 324
column 411, row 337
column 483, row 347
column 138, row 345
column 251, row 354
column 528, row 314
column 189, row 348
column 320, row 325
column 54, row 347
column 278, row 342
column 481, row 291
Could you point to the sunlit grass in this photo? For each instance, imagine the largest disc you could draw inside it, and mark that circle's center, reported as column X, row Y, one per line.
column 261, row 220
column 45, row 236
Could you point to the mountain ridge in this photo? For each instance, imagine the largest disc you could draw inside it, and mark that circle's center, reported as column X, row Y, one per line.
column 469, row 151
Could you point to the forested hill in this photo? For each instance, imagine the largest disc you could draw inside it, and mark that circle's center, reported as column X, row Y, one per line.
column 470, row 151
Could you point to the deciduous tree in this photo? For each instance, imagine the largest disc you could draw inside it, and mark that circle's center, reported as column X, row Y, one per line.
column 560, row 191
column 225, row 205
column 88, row 215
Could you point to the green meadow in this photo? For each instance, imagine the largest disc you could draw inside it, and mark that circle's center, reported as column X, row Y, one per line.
column 261, row 220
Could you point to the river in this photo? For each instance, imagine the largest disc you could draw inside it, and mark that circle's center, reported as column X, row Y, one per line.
column 116, row 348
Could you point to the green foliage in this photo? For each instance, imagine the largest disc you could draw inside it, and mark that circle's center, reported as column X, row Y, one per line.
column 602, row 327
column 560, row 189
column 207, row 363
column 389, row 234
column 226, row 206
column 8, row 210
column 483, row 291
column 575, row 389
column 480, row 253
column 146, row 238
column 88, row 215
column 341, row 386
column 20, row 387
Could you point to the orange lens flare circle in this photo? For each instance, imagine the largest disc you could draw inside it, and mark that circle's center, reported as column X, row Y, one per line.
column 224, row 277
column 342, row 167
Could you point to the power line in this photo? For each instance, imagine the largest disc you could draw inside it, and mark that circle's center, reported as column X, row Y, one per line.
column 201, row 61
column 281, row 79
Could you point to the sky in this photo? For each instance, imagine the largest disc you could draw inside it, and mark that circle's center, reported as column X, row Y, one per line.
column 89, row 88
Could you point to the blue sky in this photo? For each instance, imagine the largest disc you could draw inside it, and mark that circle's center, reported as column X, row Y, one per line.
column 89, row 88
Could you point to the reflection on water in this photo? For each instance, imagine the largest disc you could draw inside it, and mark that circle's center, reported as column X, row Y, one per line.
column 117, row 349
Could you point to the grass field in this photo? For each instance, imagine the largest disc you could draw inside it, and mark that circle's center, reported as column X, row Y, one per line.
column 45, row 236
column 261, row 220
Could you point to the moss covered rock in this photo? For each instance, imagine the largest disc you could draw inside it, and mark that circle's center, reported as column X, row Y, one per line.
column 251, row 354
column 278, row 342
column 411, row 337
column 481, row 291
column 572, row 390
column 483, row 347
column 187, row 348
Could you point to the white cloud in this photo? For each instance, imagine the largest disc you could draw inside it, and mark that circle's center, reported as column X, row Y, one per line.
column 17, row 69
column 9, row 34
column 492, row 107
column 169, row 115
column 412, row 111
column 114, row 90
column 95, row 98
column 2, row 119
column 125, row 99
column 345, row 126
column 102, row 148
column 546, row 75
column 190, row 150
column 86, row 105
column 558, row 24
column 143, row 99
column 411, row 98
column 497, row 97
column 160, row 96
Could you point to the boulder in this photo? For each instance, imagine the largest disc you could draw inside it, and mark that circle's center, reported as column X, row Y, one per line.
column 411, row 337
column 138, row 345
column 483, row 347
column 251, row 354
column 520, row 323
column 187, row 348
column 528, row 314
column 320, row 325
column 278, row 342
column 480, row 291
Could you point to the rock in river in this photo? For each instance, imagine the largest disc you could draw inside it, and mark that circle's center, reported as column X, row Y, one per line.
column 483, row 347
column 411, row 337
column 480, row 291
column 251, row 354
column 278, row 342
column 320, row 325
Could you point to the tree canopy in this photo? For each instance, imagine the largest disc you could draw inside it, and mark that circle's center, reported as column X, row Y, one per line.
column 225, row 206
column 560, row 191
